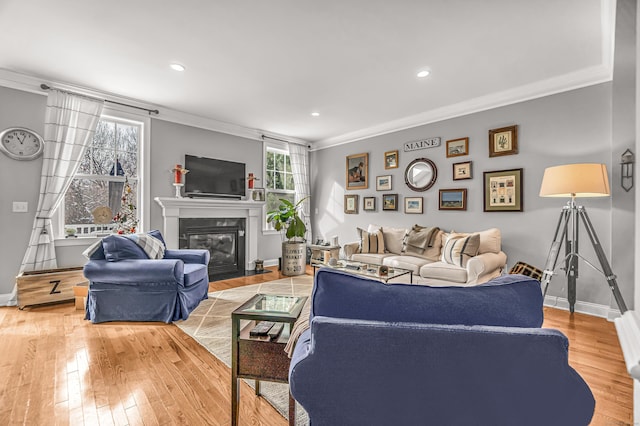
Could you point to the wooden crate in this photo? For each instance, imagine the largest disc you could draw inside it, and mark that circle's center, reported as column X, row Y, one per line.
column 81, row 292
column 48, row 286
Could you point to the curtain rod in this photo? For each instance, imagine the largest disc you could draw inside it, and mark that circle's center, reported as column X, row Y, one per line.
column 150, row 111
column 282, row 140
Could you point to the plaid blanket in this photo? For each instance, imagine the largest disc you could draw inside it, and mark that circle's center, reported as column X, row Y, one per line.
column 419, row 239
column 153, row 247
column 301, row 324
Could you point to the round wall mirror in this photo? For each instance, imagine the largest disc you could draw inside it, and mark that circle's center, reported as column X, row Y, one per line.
column 420, row 174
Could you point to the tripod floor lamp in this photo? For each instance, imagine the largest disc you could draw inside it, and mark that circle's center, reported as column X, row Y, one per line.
column 587, row 180
column 575, row 181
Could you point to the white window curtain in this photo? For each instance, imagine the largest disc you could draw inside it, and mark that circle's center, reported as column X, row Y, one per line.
column 300, row 167
column 70, row 123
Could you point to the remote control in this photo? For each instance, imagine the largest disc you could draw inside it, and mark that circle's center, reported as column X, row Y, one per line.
column 276, row 330
column 262, row 329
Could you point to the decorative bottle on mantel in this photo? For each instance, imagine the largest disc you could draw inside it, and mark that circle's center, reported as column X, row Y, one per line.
column 178, row 173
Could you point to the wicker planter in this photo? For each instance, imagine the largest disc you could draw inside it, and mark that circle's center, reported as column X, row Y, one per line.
column 294, row 258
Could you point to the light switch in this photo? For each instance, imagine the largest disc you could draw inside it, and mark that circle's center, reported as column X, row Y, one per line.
column 20, row 207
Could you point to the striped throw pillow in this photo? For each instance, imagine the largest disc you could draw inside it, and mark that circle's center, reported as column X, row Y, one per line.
column 371, row 242
column 153, row 247
column 458, row 249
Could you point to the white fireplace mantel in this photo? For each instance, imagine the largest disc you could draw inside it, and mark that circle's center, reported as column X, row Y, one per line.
column 175, row 208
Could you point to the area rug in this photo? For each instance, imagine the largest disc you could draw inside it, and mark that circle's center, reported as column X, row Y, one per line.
column 210, row 325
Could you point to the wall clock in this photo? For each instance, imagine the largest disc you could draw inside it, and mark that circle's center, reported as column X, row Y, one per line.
column 21, row 144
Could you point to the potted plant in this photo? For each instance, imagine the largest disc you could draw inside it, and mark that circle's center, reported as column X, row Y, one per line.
column 292, row 229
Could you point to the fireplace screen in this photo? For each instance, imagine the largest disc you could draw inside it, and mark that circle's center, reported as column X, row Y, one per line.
column 222, row 246
column 223, row 238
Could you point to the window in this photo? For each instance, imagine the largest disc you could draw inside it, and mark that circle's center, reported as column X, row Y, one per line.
column 95, row 194
column 278, row 177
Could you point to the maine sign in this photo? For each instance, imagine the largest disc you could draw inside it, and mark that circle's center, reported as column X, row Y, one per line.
column 421, row 144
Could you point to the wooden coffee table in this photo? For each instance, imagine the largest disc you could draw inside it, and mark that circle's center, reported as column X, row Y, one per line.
column 261, row 358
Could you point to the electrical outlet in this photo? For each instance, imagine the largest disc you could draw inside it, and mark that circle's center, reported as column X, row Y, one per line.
column 20, row 207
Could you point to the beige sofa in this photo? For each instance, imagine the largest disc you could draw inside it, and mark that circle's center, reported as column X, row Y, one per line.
column 434, row 256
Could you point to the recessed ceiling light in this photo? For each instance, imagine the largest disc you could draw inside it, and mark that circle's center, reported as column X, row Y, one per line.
column 315, row 114
column 177, row 67
column 423, row 73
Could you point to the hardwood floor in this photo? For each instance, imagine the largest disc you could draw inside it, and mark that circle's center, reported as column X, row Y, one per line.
column 58, row 369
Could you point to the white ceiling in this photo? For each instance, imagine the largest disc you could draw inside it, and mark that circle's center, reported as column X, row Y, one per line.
column 267, row 64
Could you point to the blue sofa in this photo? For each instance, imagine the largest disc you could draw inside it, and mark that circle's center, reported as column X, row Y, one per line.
column 125, row 285
column 401, row 354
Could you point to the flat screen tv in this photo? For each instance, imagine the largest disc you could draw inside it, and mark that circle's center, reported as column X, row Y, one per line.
column 209, row 177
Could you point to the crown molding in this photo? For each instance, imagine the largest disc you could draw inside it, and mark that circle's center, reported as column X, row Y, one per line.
column 552, row 86
column 583, row 78
column 576, row 80
column 31, row 84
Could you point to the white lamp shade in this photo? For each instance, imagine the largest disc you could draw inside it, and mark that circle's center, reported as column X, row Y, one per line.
column 577, row 180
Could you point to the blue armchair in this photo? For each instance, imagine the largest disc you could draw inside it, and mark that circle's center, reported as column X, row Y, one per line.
column 380, row 354
column 125, row 285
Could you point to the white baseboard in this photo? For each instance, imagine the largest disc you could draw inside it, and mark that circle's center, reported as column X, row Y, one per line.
column 602, row 311
column 271, row 262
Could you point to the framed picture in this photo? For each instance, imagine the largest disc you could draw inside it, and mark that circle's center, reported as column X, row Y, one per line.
column 457, row 147
column 503, row 141
column 413, row 205
column 257, row 194
column 391, row 160
column 351, row 204
column 383, row 183
column 503, row 191
column 453, row 199
column 358, row 171
column 389, row 201
column 462, row 171
column 369, row 204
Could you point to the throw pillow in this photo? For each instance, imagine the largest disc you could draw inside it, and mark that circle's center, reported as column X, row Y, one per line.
column 118, row 247
column 152, row 246
column 394, row 239
column 156, row 234
column 371, row 242
column 458, row 249
column 490, row 240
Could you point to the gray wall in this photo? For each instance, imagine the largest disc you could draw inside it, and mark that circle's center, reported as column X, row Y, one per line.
column 20, row 181
column 623, row 138
column 169, row 143
column 565, row 128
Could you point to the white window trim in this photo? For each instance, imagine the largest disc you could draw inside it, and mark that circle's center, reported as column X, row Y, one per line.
column 274, row 146
column 144, row 184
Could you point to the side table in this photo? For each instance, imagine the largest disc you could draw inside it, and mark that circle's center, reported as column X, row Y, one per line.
column 318, row 253
column 261, row 358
